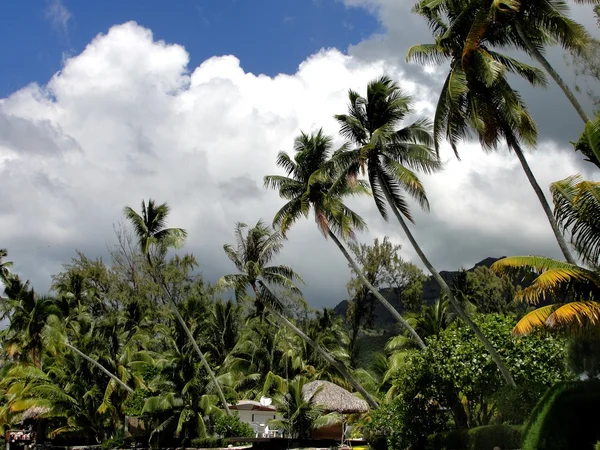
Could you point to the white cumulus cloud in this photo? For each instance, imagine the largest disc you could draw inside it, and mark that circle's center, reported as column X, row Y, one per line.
column 129, row 119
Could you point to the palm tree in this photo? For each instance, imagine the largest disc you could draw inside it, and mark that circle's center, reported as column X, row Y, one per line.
column 179, row 399
column 150, row 227
column 28, row 317
column 55, row 337
column 152, row 234
column 390, row 155
column 5, row 274
column 301, row 414
column 476, row 95
column 577, row 209
column 223, row 328
column 252, row 255
column 576, row 286
column 529, row 26
column 589, row 141
column 312, row 183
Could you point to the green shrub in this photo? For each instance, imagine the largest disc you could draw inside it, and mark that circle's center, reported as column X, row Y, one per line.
column 597, row 446
column 134, row 403
column 232, row 426
column 209, row 442
column 566, row 417
column 514, row 405
column 487, row 437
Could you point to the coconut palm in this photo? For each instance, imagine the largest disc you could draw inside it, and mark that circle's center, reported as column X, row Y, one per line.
column 252, row 256
column 313, row 183
column 150, row 227
column 179, row 397
column 529, row 26
column 222, row 328
column 476, row 95
column 577, row 209
column 152, row 234
column 390, row 155
column 28, row 317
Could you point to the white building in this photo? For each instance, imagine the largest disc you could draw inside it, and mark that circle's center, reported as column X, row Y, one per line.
column 257, row 414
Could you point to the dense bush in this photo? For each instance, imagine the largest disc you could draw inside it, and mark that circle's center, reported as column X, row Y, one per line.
column 455, row 384
column 209, row 442
column 566, row 417
column 407, row 420
column 487, row 437
column 232, row 426
column 514, row 405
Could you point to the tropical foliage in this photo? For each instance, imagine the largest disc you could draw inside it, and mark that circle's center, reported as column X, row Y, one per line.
column 145, row 337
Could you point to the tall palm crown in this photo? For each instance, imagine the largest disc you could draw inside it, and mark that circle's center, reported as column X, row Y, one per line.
column 476, row 95
column 313, row 184
column 252, row 255
column 150, row 226
column 529, row 26
column 389, row 154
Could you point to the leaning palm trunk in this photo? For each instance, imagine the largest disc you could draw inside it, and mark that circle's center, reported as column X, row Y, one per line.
column 553, row 73
column 542, row 198
column 322, row 352
column 376, row 293
column 446, row 289
column 99, row 366
column 190, row 336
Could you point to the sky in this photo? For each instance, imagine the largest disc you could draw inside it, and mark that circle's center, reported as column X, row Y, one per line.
column 189, row 102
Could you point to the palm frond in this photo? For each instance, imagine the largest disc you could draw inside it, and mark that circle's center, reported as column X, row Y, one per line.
column 426, row 54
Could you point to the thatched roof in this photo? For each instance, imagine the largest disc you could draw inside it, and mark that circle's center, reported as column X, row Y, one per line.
column 34, row 412
column 333, row 398
column 252, row 405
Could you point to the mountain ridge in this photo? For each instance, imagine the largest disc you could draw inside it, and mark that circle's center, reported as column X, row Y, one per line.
column 431, row 292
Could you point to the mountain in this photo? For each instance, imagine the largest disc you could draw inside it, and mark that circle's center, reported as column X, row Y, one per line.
column 431, row 292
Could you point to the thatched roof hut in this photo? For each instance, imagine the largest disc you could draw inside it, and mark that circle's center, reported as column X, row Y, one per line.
column 35, row 413
column 333, row 398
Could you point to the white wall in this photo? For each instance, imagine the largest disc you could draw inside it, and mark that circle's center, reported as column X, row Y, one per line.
column 258, row 416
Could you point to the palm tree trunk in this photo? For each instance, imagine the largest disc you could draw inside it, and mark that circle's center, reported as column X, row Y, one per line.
column 553, row 73
column 99, row 366
column 322, row 352
column 376, row 293
column 546, row 207
column 446, row 289
column 190, row 336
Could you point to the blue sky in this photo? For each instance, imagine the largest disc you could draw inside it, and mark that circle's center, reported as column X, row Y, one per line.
column 268, row 36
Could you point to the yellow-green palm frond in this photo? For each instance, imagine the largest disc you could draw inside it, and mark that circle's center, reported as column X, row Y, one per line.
column 568, row 317
column 534, row 319
column 555, row 278
column 575, row 315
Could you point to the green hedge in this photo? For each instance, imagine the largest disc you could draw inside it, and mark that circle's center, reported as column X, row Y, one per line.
column 480, row 438
column 566, row 417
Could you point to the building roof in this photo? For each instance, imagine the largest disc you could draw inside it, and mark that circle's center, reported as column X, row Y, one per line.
column 333, row 398
column 251, row 405
column 35, row 412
